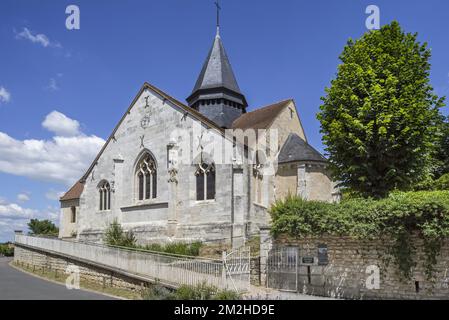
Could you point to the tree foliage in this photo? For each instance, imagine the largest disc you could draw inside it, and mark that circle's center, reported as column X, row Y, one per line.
column 42, row 227
column 442, row 152
column 379, row 117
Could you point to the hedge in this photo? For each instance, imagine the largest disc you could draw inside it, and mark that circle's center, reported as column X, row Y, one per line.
column 399, row 216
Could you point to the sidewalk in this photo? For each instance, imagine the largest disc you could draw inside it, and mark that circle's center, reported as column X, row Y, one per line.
column 260, row 293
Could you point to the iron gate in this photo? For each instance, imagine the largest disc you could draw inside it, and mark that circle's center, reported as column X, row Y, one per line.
column 282, row 268
column 237, row 269
column 290, row 269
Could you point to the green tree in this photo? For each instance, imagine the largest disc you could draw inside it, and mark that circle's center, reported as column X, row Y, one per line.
column 379, row 117
column 442, row 153
column 42, row 227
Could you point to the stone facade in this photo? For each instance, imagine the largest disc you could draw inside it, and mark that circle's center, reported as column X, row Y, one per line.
column 348, row 273
column 309, row 180
column 178, row 141
column 174, row 214
column 68, row 218
column 286, row 122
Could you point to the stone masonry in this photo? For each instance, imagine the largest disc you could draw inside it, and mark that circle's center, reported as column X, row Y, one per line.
column 40, row 260
column 350, row 265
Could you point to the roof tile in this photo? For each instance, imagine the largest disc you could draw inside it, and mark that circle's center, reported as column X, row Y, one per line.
column 260, row 118
column 74, row 192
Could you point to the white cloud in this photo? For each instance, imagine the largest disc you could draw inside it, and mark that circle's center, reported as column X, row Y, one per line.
column 40, row 38
column 62, row 159
column 61, row 125
column 22, row 197
column 52, row 85
column 15, row 217
column 5, row 96
column 14, row 211
column 54, row 195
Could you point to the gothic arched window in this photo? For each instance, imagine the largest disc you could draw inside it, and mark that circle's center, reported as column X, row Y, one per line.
column 104, row 190
column 205, row 182
column 146, row 175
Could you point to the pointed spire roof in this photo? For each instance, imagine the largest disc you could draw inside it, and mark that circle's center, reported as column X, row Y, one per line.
column 217, row 71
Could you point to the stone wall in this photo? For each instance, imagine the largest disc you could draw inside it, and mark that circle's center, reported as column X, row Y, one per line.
column 310, row 181
column 255, row 271
column 287, row 122
column 38, row 260
column 67, row 227
column 351, row 263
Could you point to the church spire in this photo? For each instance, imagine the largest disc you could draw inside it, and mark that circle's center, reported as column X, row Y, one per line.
column 216, row 93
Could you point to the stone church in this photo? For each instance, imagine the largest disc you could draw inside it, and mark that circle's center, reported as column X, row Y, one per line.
column 158, row 175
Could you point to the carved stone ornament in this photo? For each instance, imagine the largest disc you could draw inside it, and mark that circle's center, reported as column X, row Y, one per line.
column 258, row 170
column 173, row 175
column 145, row 121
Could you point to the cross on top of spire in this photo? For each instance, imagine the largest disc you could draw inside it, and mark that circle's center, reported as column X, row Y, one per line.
column 217, row 4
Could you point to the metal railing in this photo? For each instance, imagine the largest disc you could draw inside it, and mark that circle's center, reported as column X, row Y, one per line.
column 174, row 270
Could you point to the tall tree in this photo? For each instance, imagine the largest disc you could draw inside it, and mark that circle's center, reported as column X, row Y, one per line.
column 442, row 152
column 379, row 117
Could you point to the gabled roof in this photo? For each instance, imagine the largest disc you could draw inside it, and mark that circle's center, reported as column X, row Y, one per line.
column 78, row 187
column 74, row 192
column 261, row 118
column 217, row 71
column 296, row 149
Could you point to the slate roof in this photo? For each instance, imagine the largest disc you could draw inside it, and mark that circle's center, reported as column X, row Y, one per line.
column 217, row 71
column 74, row 192
column 261, row 118
column 296, row 149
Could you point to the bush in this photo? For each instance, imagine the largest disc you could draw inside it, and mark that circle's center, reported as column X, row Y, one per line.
column 6, row 251
column 442, row 183
column 158, row 292
column 204, row 292
column 181, row 248
column 116, row 236
column 399, row 216
column 429, row 184
column 227, row 295
column 199, row 292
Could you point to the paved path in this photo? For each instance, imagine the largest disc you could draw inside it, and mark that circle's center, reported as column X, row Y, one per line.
column 259, row 293
column 17, row 285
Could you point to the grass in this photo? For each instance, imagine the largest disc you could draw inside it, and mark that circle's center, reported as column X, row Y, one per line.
column 87, row 285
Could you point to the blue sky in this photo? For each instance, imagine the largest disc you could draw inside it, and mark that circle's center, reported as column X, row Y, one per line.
column 62, row 92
